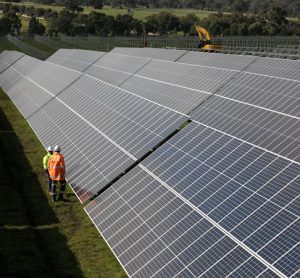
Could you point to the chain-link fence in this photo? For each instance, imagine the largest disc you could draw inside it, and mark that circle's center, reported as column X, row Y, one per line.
column 267, row 46
column 28, row 49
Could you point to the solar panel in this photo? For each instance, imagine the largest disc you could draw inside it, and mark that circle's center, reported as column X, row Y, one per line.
column 218, row 60
column 155, row 53
column 92, row 159
column 283, row 68
column 53, row 78
column 136, row 124
column 9, row 78
column 204, row 204
column 77, row 59
column 273, row 131
column 263, row 110
column 181, row 87
column 7, row 58
column 27, row 96
column 27, row 64
column 115, row 68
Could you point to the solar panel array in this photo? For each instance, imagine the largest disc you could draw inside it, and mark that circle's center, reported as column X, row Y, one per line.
column 204, row 204
column 164, row 81
column 103, row 129
column 260, row 108
column 218, row 199
column 115, row 69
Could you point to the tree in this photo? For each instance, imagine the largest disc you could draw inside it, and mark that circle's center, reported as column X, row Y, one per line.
column 65, row 22
column 73, row 5
column 35, row 27
column 151, row 24
column 187, row 23
column 167, row 23
column 275, row 21
column 15, row 23
column 240, row 6
column 5, row 25
column 124, row 24
column 96, row 4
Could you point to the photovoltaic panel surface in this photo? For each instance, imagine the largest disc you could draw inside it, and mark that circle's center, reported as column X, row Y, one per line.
column 92, row 160
column 53, row 78
column 218, row 60
column 27, row 64
column 28, row 97
column 283, row 68
column 148, row 52
column 116, row 68
column 262, row 109
column 77, row 59
column 7, row 58
column 135, row 124
column 181, row 87
column 205, row 204
column 9, row 78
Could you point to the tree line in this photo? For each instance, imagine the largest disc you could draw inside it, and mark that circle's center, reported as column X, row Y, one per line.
column 73, row 22
column 292, row 7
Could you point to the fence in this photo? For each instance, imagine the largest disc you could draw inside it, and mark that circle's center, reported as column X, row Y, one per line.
column 268, row 46
column 28, row 49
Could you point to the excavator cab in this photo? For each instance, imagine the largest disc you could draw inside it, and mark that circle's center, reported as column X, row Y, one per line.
column 205, row 40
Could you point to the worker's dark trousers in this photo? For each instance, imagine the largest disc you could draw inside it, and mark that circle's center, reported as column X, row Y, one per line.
column 61, row 190
column 49, row 183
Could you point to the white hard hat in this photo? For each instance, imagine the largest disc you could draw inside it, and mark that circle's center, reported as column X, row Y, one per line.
column 56, row 148
column 50, row 149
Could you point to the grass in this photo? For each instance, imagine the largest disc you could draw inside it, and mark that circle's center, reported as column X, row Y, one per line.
column 6, row 45
column 40, row 238
column 38, row 45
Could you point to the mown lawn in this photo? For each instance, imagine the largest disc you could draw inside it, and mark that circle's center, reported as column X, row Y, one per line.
column 40, row 238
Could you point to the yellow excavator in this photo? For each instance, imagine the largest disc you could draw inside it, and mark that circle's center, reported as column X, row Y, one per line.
column 205, row 39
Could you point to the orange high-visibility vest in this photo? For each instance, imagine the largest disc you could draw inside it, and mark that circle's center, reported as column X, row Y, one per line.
column 56, row 167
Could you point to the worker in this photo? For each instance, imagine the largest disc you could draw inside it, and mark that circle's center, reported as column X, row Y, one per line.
column 56, row 168
column 45, row 165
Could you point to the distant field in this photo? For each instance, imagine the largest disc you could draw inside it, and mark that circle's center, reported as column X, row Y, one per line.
column 140, row 13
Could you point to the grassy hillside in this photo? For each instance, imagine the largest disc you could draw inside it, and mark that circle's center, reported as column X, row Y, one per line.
column 139, row 13
column 40, row 238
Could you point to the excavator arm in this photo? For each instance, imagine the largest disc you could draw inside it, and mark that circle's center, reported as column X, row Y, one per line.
column 205, row 38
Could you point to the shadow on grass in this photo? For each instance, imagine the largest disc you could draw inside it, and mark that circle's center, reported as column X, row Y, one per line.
column 30, row 242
